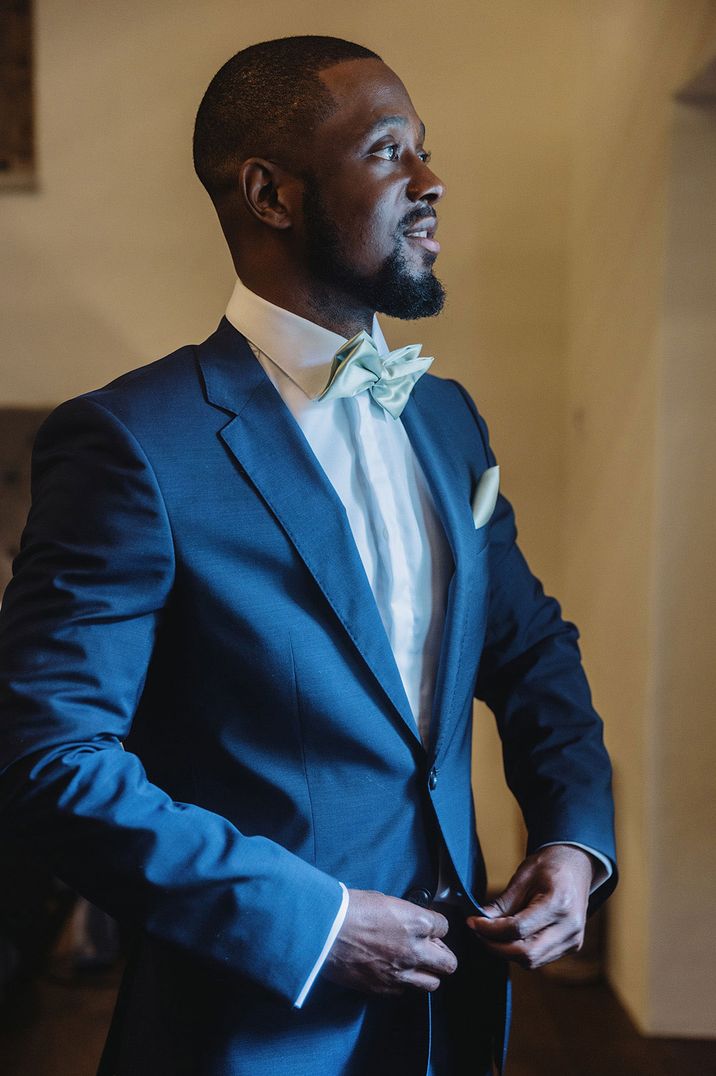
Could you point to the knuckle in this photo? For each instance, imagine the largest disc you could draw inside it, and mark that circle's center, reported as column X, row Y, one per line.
column 414, row 950
column 562, row 903
column 412, row 956
column 408, row 936
column 440, row 925
column 423, row 922
column 532, row 956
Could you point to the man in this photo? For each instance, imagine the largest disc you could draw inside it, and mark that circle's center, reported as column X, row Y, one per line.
column 260, row 585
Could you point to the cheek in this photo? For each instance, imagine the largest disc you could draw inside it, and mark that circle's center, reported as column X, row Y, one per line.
column 374, row 232
column 366, row 220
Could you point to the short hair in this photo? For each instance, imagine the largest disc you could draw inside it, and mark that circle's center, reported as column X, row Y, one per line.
column 262, row 100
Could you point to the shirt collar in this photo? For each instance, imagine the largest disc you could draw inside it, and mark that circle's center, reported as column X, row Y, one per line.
column 302, row 349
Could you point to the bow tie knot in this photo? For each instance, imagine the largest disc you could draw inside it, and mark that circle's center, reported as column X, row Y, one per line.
column 389, row 378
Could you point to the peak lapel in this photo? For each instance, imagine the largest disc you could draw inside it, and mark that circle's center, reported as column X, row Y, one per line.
column 272, row 450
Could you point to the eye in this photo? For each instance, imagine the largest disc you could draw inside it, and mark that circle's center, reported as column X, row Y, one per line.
column 392, row 150
column 392, row 153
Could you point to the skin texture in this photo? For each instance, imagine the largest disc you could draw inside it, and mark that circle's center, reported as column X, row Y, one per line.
column 371, row 188
column 325, row 238
column 387, row 944
column 541, row 914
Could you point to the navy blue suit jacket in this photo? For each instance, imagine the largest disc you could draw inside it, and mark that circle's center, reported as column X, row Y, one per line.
column 203, row 725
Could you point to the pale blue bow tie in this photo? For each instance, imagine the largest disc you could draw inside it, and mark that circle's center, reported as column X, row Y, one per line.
column 389, row 378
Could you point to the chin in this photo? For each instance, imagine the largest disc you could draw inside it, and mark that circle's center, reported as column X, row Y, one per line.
column 415, row 297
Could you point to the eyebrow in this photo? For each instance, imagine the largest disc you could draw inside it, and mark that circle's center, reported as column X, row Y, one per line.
column 387, row 121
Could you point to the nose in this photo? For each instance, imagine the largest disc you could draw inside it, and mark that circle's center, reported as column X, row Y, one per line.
column 424, row 185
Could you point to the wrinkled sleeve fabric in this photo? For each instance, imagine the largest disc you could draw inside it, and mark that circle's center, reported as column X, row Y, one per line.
column 77, row 629
column 603, row 868
column 531, row 677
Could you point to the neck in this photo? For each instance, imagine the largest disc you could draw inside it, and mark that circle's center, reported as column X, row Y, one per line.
column 331, row 313
column 323, row 306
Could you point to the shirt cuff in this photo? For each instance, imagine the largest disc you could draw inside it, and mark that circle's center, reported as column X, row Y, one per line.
column 332, row 935
column 603, row 875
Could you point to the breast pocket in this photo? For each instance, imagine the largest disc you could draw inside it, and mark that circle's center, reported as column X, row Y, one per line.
column 481, row 537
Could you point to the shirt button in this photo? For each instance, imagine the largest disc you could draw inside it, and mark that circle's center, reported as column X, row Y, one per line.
column 433, row 779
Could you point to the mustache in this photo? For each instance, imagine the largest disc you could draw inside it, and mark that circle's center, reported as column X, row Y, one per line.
column 419, row 213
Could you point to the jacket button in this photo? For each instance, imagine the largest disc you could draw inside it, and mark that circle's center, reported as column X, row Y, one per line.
column 422, row 897
column 433, row 779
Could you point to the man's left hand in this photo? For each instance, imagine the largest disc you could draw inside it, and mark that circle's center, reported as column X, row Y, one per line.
column 540, row 916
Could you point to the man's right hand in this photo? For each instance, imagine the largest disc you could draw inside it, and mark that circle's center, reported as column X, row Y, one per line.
column 386, row 944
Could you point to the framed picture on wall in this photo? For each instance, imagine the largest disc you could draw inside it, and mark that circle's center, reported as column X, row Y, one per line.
column 17, row 143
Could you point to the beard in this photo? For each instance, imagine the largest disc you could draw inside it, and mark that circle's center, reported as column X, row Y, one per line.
column 394, row 288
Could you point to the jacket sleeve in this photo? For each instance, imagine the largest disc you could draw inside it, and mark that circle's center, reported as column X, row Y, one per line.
column 77, row 629
column 531, row 677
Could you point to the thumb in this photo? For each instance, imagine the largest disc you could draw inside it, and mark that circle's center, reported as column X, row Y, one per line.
column 493, row 910
column 508, row 902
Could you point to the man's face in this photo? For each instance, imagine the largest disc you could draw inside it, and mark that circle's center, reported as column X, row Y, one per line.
column 368, row 191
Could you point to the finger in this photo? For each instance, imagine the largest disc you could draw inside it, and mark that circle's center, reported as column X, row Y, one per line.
column 539, row 914
column 433, row 925
column 440, row 958
column 509, row 901
column 505, row 929
column 440, row 944
column 540, row 949
column 418, row 980
column 433, row 958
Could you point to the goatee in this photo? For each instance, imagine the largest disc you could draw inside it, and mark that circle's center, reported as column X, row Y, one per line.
column 394, row 289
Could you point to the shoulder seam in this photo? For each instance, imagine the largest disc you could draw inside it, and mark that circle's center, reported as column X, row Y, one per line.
column 131, row 436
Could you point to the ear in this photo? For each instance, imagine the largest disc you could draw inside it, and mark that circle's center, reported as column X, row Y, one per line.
column 270, row 193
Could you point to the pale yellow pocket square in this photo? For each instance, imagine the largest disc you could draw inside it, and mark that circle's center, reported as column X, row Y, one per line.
column 485, row 496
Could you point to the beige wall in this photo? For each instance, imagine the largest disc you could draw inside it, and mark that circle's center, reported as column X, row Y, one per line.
column 684, row 579
column 628, row 479
column 550, row 124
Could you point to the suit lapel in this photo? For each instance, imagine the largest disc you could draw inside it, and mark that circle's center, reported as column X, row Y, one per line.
column 425, row 426
column 271, row 449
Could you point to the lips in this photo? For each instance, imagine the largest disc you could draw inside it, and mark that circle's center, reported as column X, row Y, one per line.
column 422, row 233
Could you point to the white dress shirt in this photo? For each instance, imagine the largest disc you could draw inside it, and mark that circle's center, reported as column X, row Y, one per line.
column 369, row 460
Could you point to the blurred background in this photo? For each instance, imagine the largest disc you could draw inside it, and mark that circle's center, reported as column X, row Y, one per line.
column 577, row 141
